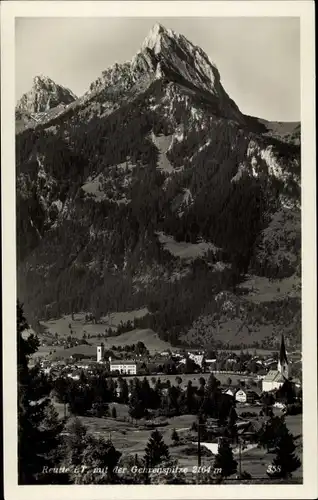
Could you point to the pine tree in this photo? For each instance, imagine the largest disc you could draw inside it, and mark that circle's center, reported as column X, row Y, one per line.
column 38, row 425
column 212, row 384
column 224, row 461
column 175, row 436
column 189, row 399
column 84, row 454
column 271, row 432
column 124, row 391
column 75, row 442
column 156, row 450
column 145, row 389
column 285, row 462
column 231, row 423
column 137, row 408
column 232, row 418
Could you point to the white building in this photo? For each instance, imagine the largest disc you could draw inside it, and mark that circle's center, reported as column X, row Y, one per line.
column 272, row 380
column 197, row 358
column 100, row 353
column 246, row 396
column 229, row 392
column 241, row 396
column 123, row 367
column 276, row 378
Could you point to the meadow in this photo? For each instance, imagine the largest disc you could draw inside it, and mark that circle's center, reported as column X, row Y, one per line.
column 78, row 326
column 130, row 438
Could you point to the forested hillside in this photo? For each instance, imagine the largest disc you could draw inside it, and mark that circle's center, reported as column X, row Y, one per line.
column 148, row 153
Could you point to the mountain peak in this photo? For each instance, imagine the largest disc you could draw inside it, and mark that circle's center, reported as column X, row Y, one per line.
column 153, row 39
column 44, row 95
column 177, row 53
column 42, row 80
column 170, row 56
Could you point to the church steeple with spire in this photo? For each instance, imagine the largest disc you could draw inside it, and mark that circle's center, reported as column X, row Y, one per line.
column 282, row 365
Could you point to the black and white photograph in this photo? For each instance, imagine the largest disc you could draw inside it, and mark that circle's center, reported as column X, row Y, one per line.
column 159, row 255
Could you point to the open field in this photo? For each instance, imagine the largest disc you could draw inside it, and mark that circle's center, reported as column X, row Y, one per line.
column 183, row 249
column 147, row 336
column 63, row 326
column 131, row 438
column 262, row 289
column 113, row 319
column 77, row 327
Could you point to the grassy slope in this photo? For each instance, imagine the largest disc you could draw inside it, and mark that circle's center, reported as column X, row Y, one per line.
column 250, row 323
column 79, row 326
column 131, row 439
column 183, row 249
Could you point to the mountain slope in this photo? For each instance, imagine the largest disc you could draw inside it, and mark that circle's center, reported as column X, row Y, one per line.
column 154, row 152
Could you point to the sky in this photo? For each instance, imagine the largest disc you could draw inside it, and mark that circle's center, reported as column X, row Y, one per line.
column 258, row 58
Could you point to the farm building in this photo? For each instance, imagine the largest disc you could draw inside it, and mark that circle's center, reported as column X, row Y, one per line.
column 246, row 396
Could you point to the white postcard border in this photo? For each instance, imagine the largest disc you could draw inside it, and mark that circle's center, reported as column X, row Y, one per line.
column 303, row 9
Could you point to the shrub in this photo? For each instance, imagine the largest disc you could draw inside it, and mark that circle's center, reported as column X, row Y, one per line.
column 294, row 409
column 248, row 414
column 194, row 426
column 192, row 449
column 245, row 475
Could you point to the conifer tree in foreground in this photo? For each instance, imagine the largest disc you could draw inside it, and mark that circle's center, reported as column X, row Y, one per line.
column 224, row 462
column 271, row 431
column 231, row 424
column 38, row 425
column 91, row 459
column 285, row 461
column 156, row 450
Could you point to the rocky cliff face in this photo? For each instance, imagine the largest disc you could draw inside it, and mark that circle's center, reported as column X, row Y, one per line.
column 154, row 189
column 165, row 54
column 44, row 95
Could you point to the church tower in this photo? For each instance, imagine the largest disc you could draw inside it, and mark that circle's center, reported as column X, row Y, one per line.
column 282, row 365
column 100, row 353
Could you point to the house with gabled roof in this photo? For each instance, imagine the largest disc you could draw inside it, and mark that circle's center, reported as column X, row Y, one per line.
column 246, row 396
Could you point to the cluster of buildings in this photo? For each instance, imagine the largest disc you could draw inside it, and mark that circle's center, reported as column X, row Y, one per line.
column 277, row 371
column 273, row 377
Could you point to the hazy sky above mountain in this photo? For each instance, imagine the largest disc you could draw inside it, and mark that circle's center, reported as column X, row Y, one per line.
column 258, row 58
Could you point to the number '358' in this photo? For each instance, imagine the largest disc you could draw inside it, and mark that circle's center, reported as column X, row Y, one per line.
column 273, row 468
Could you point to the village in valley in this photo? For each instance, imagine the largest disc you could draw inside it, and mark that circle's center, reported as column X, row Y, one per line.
column 194, row 397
